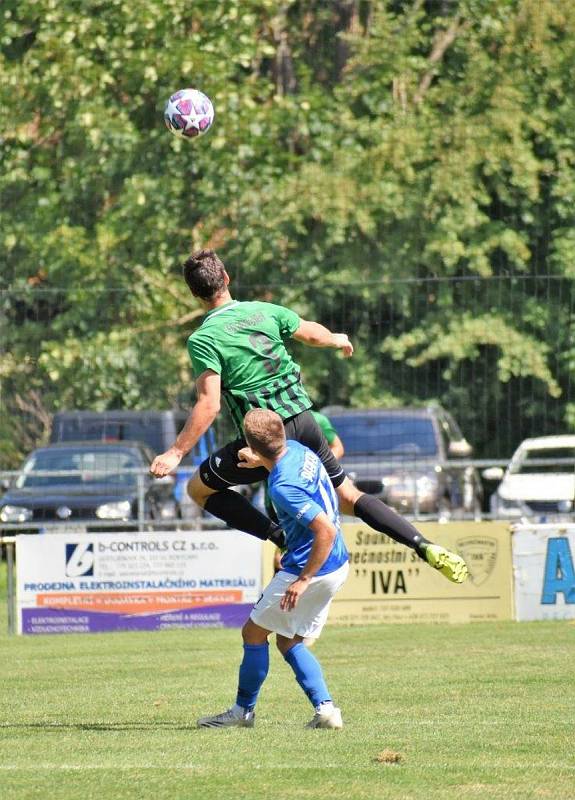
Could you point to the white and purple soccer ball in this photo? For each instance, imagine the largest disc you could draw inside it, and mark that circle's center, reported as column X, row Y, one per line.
column 189, row 113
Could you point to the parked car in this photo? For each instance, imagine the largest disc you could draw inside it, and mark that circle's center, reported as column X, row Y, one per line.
column 157, row 429
column 98, row 486
column 409, row 457
column 540, row 479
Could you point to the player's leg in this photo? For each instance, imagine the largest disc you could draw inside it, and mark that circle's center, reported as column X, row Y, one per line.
column 370, row 509
column 211, row 488
column 253, row 672
column 304, row 429
column 379, row 516
column 309, row 674
column 307, row 620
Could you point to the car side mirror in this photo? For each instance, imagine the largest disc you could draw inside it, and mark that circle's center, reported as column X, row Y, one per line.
column 493, row 474
column 459, row 449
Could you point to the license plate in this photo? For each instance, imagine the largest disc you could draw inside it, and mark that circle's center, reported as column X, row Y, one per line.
column 68, row 529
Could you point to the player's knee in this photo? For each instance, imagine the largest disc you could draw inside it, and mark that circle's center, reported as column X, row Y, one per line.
column 198, row 490
column 246, row 632
column 253, row 634
column 284, row 644
column 348, row 495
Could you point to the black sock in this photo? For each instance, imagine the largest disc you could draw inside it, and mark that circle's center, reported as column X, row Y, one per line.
column 384, row 519
column 237, row 511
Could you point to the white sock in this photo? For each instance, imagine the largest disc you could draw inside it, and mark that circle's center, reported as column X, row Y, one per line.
column 325, row 708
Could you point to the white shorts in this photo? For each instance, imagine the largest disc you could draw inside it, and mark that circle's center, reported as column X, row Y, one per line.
column 310, row 614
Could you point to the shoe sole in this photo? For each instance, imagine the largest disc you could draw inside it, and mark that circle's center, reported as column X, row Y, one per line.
column 325, row 726
column 241, row 724
column 452, row 566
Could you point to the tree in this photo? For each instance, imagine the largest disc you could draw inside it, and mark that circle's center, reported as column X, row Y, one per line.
column 397, row 169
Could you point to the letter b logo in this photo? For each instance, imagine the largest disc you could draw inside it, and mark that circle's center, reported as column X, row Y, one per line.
column 79, row 560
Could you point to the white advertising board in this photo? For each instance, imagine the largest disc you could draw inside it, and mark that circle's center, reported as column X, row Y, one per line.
column 544, row 572
column 85, row 583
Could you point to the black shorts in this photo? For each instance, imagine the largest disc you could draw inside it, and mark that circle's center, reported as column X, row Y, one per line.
column 221, row 470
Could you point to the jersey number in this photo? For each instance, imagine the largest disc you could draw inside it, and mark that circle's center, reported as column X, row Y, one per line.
column 262, row 343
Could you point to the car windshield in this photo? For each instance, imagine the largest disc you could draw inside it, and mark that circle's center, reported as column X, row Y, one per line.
column 559, row 459
column 386, row 435
column 88, row 467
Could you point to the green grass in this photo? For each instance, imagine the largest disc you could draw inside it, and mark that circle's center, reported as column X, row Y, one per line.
column 476, row 711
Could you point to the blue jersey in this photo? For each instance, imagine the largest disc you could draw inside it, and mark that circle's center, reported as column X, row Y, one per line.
column 300, row 489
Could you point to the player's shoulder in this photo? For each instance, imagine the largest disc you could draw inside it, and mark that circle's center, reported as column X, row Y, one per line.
column 286, row 489
column 198, row 336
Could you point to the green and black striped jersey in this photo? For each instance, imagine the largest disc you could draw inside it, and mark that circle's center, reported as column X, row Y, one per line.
column 244, row 344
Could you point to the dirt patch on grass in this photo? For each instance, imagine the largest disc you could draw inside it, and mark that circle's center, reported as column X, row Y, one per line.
column 389, row 757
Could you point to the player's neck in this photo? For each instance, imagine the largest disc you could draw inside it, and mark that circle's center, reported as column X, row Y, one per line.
column 218, row 301
column 269, row 463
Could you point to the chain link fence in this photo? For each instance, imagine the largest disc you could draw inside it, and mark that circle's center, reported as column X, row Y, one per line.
column 492, row 358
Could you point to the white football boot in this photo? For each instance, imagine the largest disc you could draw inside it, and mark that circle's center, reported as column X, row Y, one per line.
column 329, row 717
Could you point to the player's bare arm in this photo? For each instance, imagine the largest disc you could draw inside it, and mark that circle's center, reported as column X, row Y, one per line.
column 316, row 335
column 324, row 534
column 337, row 447
column 201, row 417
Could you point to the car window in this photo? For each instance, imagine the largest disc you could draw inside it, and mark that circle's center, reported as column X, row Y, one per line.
column 88, row 467
column 391, row 435
column 562, row 459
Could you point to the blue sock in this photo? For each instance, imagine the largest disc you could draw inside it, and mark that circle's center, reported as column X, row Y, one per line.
column 253, row 671
column 308, row 673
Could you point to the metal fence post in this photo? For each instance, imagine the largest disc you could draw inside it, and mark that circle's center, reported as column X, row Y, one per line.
column 415, row 497
column 141, row 502
column 10, row 547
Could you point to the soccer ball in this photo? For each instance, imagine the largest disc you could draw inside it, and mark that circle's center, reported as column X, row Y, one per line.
column 189, row 113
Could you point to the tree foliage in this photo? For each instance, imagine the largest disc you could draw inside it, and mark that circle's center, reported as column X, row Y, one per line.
column 368, row 157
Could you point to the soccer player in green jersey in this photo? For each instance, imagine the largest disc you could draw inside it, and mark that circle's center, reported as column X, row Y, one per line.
column 239, row 352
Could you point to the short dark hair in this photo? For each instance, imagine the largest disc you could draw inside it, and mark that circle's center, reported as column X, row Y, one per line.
column 204, row 273
column 265, row 432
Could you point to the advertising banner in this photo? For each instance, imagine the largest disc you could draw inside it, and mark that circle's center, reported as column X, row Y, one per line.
column 389, row 583
column 88, row 583
column 544, row 569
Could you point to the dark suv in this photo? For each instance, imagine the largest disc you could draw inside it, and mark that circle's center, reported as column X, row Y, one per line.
column 410, row 457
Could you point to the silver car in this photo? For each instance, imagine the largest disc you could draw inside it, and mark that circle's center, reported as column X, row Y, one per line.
column 413, row 458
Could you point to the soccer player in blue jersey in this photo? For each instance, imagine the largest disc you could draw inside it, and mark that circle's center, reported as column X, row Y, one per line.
column 296, row 602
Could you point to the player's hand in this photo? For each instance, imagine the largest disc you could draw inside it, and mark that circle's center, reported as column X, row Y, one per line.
column 293, row 593
column 341, row 341
column 165, row 463
column 248, row 459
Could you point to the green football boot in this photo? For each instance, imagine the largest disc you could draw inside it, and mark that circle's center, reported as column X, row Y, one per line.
column 449, row 564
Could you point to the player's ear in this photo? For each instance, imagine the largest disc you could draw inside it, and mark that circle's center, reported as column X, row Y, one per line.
column 226, row 278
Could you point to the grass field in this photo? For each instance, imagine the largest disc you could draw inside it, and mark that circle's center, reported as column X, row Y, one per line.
column 476, row 711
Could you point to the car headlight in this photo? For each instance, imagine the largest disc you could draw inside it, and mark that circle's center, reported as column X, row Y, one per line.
column 16, row 514
column 120, row 510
